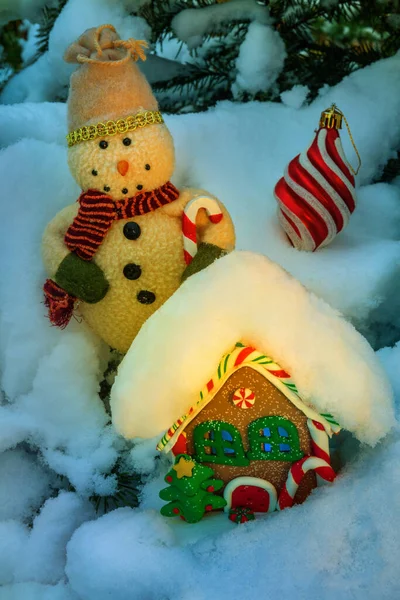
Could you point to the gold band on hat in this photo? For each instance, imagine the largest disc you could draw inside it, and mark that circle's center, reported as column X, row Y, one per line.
column 91, row 132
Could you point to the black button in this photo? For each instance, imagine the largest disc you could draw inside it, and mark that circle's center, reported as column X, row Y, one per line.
column 132, row 230
column 132, row 271
column 145, row 297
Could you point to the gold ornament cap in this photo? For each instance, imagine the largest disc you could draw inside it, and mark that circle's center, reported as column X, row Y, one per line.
column 331, row 118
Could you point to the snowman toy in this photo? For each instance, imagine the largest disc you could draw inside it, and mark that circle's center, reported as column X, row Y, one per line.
column 120, row 251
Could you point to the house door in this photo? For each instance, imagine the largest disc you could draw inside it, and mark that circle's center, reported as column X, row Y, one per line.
column 250, row 492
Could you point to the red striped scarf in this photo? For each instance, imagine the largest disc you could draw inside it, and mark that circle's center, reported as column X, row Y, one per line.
column 96, row 214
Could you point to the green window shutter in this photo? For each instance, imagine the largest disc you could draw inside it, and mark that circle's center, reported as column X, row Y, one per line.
column 219, row 442
column 273, row 438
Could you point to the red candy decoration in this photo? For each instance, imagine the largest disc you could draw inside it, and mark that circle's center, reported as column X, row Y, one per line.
column 316, row 196
column 241, row 514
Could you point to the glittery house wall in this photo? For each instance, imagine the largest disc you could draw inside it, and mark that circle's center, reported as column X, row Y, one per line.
column 269, row 402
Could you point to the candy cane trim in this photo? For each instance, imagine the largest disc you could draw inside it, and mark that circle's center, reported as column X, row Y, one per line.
column 189, row 216
column 319, row 444
column 296, row 474
column 239, row 357
column 319, row 440
column 254, row 481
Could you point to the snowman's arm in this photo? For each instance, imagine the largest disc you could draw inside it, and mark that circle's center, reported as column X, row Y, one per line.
column 79, row 278
column 220, row 234
column 54, row 249
column 214, row 240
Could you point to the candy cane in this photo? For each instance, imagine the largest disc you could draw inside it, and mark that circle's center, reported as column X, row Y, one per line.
column 319, row 444
column 296, row 474
column 214, row 213
column 319, row 440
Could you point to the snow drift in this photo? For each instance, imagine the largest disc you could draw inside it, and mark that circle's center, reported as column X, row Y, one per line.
column 246, row 297
column 344, row 540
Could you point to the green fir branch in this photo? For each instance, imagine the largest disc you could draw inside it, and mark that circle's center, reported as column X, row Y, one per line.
column 128, row 487
column 49, row 16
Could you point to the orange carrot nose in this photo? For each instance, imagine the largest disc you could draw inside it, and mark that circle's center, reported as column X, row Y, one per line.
column 122, row 167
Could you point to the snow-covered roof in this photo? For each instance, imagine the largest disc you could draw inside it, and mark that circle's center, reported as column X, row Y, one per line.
column 247, row 297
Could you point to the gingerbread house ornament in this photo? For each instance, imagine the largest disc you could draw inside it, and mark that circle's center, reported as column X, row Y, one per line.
column 251, row 427
column 236, row 378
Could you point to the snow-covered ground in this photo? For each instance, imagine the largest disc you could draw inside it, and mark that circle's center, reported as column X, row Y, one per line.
column 344, row 542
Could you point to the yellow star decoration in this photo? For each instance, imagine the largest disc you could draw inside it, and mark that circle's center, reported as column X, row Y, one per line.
column 184, row 468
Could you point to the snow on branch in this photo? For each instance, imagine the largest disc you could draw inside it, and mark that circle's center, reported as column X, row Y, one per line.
column 192, row 24
column 260, row 61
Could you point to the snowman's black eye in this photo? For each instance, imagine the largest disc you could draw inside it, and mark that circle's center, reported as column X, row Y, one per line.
column 126, row 141
column 147, row 167
column 139, row 187
column 94, row 172
column 103, row 144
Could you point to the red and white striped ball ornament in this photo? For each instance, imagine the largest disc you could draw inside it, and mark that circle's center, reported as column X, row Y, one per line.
column 317, row 194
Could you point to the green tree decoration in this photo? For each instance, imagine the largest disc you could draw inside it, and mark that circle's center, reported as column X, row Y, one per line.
column 191, row 491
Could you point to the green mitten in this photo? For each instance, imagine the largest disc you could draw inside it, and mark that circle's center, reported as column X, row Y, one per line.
column 206, row 254
column 82, row 279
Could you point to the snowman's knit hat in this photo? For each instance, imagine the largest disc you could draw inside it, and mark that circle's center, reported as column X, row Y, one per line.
column 108, row 93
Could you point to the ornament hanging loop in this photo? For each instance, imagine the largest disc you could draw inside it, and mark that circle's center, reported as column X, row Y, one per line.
column 354, row 146
column 331, row 118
